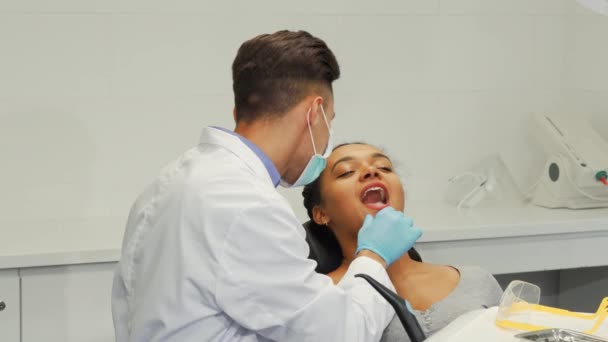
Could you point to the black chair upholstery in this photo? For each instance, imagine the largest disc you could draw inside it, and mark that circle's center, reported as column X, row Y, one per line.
column 324, row 247
column 325, row 250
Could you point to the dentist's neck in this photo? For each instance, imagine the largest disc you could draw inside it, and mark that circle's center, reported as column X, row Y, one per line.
column 277, row 138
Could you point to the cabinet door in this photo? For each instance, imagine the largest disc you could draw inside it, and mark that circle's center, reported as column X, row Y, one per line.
column 67, row 303
column 9, row 306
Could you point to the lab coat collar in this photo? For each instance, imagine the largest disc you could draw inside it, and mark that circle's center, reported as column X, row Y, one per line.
column 218, row 136
column 270, row 168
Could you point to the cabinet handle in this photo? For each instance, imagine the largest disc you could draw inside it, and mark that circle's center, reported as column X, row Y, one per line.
column 2, row 306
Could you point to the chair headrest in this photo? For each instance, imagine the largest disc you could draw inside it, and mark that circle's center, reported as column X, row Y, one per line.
column 325, row 249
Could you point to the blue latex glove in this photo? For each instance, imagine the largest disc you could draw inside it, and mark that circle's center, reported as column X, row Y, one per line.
column 390, row 234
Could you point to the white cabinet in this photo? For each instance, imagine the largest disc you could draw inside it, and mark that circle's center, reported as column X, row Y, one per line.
column 9, row 306
column 67, row 303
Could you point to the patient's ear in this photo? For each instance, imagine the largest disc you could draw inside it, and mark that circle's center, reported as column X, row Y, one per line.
column 320, row 216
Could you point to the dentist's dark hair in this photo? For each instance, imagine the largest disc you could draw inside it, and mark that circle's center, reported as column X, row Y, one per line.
column 273, row 72
column 321, row 234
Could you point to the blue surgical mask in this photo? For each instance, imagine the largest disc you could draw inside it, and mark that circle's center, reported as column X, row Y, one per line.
column 317, row 162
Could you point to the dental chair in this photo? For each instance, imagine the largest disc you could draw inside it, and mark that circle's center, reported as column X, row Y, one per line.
column 325, row 250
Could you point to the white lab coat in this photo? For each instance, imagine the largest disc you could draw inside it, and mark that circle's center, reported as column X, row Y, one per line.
column 212, row 252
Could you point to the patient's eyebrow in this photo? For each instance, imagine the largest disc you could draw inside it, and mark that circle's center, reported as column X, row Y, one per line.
column 380, row 155
column 344, row 159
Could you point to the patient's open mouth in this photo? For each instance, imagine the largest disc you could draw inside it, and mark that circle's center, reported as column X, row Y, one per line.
column 375, row 196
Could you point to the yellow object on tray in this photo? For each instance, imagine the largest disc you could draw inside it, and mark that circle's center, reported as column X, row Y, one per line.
column 520, row 309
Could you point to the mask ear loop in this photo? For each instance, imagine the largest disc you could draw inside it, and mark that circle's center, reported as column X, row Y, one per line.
column 327, row 149
column 312, row 140
column 325, row 118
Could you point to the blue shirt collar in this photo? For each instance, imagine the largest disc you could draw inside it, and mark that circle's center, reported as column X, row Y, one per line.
column 272, row 170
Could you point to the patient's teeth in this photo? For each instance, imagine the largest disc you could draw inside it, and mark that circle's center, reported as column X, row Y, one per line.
column 375, row 188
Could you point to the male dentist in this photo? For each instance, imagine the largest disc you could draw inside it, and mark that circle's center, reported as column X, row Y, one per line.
column 212, row 252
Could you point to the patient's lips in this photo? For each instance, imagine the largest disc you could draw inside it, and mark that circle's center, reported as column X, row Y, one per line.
column 375, row 196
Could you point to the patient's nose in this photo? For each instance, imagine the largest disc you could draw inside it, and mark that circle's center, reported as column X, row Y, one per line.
column 370, row 172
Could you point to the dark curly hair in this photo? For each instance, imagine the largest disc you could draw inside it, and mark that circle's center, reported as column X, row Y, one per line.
column 324, row 244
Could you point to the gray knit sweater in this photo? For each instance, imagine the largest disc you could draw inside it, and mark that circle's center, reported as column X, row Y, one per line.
column 477, row 288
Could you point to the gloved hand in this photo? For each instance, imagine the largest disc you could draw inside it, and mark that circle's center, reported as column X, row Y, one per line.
column 390, row 234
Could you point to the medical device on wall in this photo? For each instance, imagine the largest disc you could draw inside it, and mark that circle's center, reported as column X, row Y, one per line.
column 487, row 183
column 575, row 174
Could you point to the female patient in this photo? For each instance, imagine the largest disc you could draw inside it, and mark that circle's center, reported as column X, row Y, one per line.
column 360, row 180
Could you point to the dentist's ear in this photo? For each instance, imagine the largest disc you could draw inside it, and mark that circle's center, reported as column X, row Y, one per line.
column 316, row 114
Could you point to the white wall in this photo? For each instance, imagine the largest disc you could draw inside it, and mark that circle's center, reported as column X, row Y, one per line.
column 586, row 67
column 95, row 96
